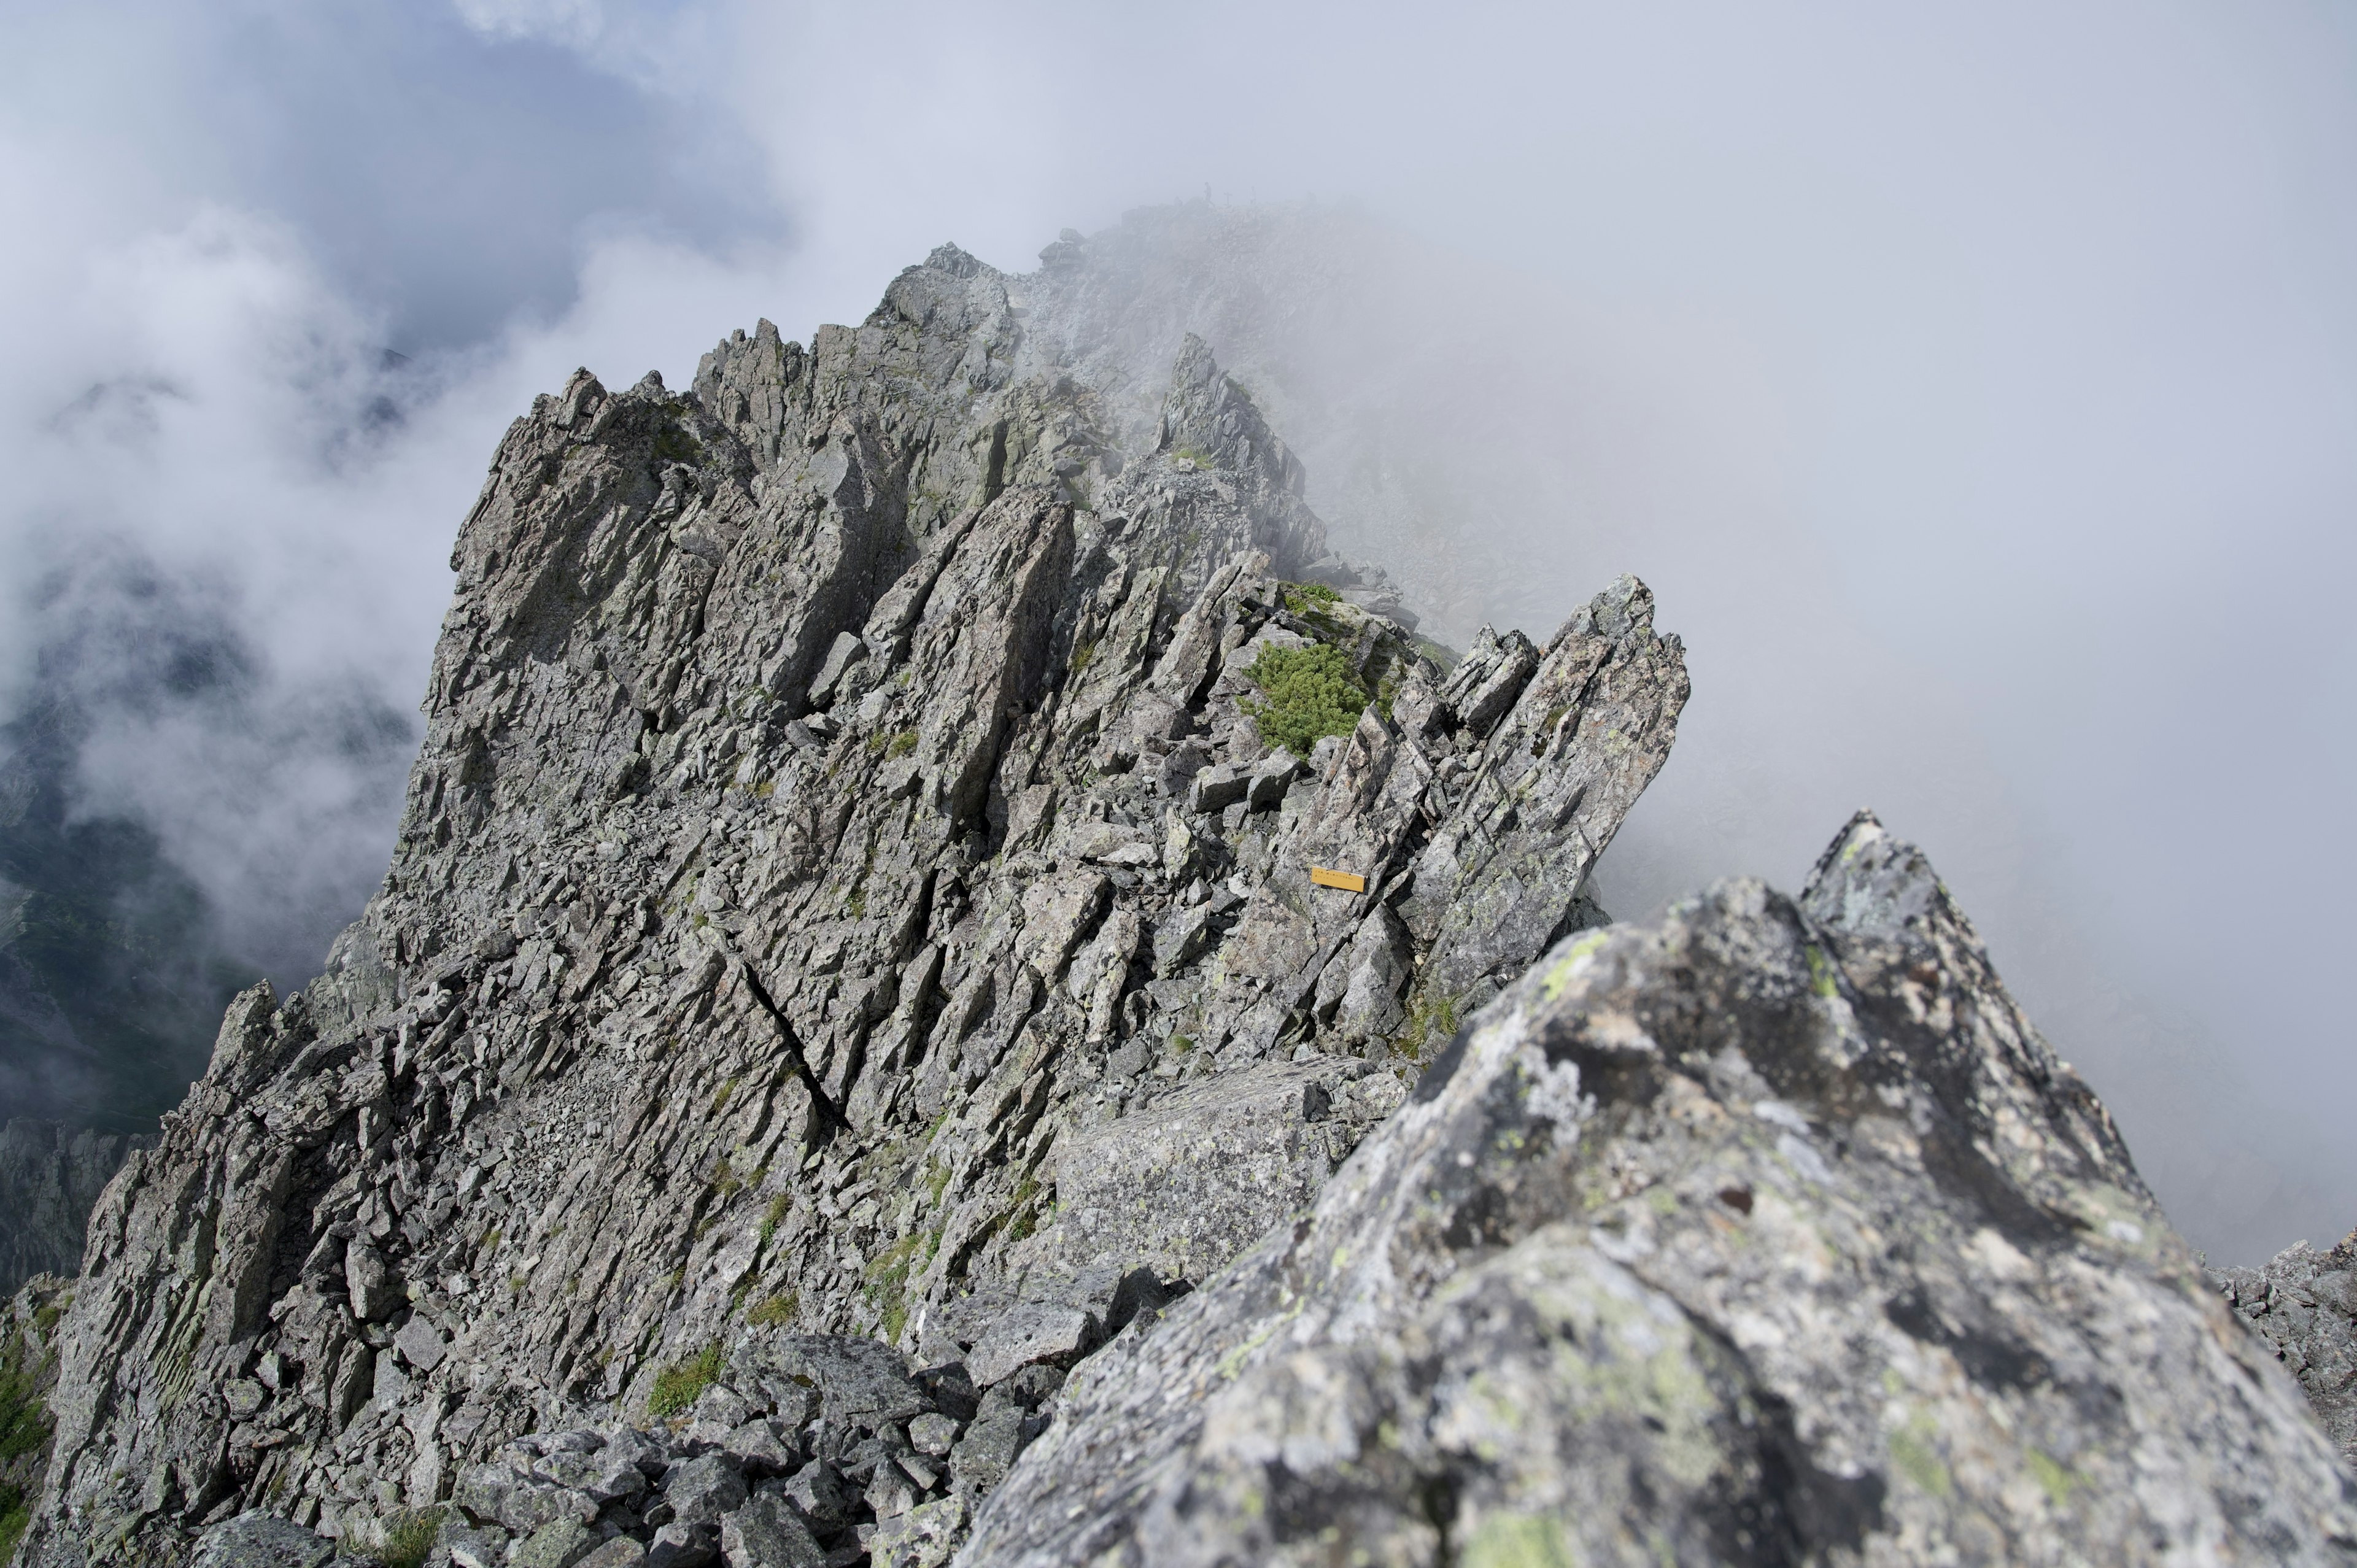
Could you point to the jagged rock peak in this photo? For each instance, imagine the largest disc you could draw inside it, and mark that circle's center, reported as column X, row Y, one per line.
column 853, row 916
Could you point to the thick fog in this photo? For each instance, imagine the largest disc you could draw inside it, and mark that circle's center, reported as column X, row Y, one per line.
column 1978, row 393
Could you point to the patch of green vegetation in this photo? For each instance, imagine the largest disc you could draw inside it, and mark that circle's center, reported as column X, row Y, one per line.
column 1182, row 1044
column 1082, row 655
column 1312, row 694
column 1429, row 1018
column 1912, row 1450
column 25, row 1421
column 680, row 1384
column 888, row 1281
column 490, row 1240
column 674, row 444
column 1302, row 598
column 1026, row 1216
column 409, row 1537
column 777, row 1311
column 720, row 1100
column 1519, row 1541
column 1195, row 457
column 901, row 745
column 780, row 1206
column 2053, row 1477
column 15, row 1514
column 1820, row 971
column 935, row 1185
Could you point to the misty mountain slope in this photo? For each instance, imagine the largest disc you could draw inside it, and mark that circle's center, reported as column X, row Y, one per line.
column 110, row 970
column 50, row 1179
column 851, row 885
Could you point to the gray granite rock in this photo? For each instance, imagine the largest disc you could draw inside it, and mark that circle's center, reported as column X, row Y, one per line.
column 560, row 1544
column 1768, row 1231
column 768, row 1533
column 700, row 1490
column 2302, row 1303
column 1030, row 1332
column 261, row 1540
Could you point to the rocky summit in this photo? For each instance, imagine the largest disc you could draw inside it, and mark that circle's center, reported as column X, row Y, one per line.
column 956, row 984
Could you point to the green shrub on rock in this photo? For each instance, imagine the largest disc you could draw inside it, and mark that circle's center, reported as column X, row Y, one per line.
column 1312, row 694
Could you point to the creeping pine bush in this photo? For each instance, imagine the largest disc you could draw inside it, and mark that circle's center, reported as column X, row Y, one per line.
column 1311, row 695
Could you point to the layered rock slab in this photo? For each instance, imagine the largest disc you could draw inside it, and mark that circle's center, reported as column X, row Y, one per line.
column 1769, row 1231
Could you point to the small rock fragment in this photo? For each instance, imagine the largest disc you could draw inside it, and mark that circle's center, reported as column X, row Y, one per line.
column 766, row 1533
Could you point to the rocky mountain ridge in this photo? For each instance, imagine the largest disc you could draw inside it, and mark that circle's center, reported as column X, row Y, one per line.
column 954, row 984
column 846, row 805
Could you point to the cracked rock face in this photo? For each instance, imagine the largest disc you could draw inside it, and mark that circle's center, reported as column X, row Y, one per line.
column 844, row 883
column 1769, row 1231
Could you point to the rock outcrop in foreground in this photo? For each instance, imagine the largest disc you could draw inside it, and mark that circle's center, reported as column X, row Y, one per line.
column 1769, row 1231
column 851, row 1063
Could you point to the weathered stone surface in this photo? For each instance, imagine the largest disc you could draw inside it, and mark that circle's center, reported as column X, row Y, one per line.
column 766, row 1533
column 1032, row 1332
column 926, row 1536
column 851, row 952
column 622, row 1551
column 258, row 1541
column 1769, row 1231
column 1188, row 1183
column 560, row 1544
column 2303, row 1305
column 702, row 1489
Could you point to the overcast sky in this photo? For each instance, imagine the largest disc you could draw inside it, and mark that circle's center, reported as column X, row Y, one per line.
column 2022, row 338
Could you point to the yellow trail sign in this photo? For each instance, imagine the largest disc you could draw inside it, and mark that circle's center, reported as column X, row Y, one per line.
column 1349, row 882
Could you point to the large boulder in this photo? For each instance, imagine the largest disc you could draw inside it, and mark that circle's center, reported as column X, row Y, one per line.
column 1768, row 1231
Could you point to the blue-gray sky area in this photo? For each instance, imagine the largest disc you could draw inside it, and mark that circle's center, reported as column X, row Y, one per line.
column 1976, row 385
